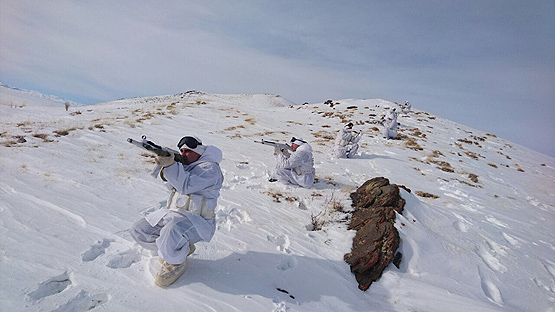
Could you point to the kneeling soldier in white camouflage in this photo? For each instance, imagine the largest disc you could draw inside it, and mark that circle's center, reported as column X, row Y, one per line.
column 346, row 142
column 189, row 215
column 390, row 124
column 295, row 168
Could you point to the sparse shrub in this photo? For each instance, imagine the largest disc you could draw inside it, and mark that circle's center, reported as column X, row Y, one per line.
column 331, row 206
column 436, row 153
column 277, row 195
column 425, row 194
column 324, row 135
column 60, row 133
column 42, row 136
column 9, row 143
column 465, row 141
column 411, row 143
column 128, row 122
column 443, row 165
column 471, row 155
column 469, row 184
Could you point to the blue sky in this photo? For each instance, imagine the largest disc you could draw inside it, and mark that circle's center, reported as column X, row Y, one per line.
column 486, row 64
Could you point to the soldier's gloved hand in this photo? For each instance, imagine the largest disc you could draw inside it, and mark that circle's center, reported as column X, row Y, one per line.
column 164, row 161
column 285, row 153
column 277, row 150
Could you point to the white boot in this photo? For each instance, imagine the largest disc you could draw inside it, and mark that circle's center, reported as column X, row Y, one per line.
column 169, row 273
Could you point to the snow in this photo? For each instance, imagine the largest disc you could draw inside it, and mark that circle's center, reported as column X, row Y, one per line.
column 71, row 191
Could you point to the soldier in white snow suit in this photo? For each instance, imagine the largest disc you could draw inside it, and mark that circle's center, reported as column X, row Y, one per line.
column 390, row 124
column 189, row 214
column 406, row 107
column 346, row 142
column 295, row 168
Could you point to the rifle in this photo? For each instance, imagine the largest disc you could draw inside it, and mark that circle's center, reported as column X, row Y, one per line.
column 282, row 147
column 158, row 150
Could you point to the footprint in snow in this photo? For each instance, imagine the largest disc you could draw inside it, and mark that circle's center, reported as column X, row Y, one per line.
column 491, row 290
column 96, row 250
column 497, row 248
column 232, row 182
column 84, row 301
column 496, row 222
column 227, row 219
column 282, row 242
column 550, row 267
column 511, row 240
column 287, row 263
column 462, row 224
column 242, row 165
column 124, row 259
column 51, row 286
column 536, row 203
column 492, row 262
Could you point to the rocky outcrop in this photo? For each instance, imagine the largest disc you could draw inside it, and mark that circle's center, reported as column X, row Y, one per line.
column 376, row 241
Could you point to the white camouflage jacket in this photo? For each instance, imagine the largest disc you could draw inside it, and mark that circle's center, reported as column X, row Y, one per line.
column 197, row 188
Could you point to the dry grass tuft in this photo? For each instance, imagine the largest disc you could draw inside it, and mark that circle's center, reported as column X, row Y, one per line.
column 467, row 141
column 42, row 136
column 331, row 206
column 411, row 143
column 326, row 135
column 425, row 194
column 277, row 195
column 9, row 143
column 443, row 165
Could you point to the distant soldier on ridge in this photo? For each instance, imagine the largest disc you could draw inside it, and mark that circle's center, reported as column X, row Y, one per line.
column 390, row 124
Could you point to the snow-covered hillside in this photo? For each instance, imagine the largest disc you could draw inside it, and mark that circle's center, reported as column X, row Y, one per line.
column 478, row 237
column 15, row 97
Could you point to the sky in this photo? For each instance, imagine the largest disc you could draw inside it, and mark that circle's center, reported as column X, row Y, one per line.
column 474, row 62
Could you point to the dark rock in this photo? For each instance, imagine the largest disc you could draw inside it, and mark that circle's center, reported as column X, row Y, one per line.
column 405, row 188
column 377, row 240
column 377, row 192
column 397, row 259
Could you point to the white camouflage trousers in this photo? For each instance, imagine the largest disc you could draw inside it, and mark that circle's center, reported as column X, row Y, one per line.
column 171, row 238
